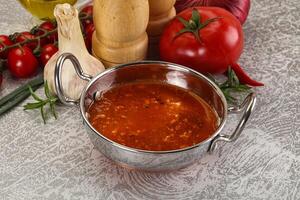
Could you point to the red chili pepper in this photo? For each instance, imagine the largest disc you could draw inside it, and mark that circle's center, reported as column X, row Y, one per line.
column 243, row 77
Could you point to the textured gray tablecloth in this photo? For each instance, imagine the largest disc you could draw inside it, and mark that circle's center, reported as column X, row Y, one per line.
column 57, row 160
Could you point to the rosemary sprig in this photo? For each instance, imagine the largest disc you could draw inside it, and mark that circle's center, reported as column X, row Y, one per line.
column 41, row 103
column 231, row 86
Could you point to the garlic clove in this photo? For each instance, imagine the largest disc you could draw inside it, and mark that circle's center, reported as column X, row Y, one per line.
column 70, row 40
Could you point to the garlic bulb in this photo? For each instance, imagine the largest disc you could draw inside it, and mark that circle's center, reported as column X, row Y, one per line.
column 70, row 41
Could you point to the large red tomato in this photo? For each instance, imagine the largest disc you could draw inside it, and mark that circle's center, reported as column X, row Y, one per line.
column 220, row 42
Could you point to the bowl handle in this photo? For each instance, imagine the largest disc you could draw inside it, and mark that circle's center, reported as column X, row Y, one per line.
column 57, row 77
column 247, row 106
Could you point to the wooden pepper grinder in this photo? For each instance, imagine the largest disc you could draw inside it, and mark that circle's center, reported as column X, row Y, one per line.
column 120, row 31
column 161, row 12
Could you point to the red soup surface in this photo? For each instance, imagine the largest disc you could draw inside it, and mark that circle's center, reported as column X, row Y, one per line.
column 152, row 116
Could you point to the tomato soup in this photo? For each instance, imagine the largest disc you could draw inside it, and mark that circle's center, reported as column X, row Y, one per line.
column 152, row 116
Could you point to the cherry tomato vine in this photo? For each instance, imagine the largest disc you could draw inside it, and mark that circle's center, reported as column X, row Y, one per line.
column 22, row 52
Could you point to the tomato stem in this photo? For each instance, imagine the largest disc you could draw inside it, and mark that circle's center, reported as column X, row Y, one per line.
column 45, row 34
column 194, row 25
column 26, row 41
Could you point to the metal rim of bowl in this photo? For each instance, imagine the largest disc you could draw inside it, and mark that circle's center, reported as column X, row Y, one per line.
column 174, row 66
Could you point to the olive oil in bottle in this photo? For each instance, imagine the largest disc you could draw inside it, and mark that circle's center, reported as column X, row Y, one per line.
column 43, row 9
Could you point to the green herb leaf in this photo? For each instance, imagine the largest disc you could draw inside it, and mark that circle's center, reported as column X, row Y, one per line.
column 34, row 95
column 231, row 86
column 46, row 90
column 31, row 106
column 51, row 100
column 52, row 108
column 43, row 114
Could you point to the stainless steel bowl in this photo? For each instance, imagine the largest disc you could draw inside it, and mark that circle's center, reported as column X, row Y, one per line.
column 162, row 72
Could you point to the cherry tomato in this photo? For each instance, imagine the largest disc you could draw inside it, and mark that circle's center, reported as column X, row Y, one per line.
column 88, row 12
column 26, row 35
column 4, row 39
column 219, row 43
column 21, row 62
column 48, row 26
column 47, row 52
column 89, row 30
